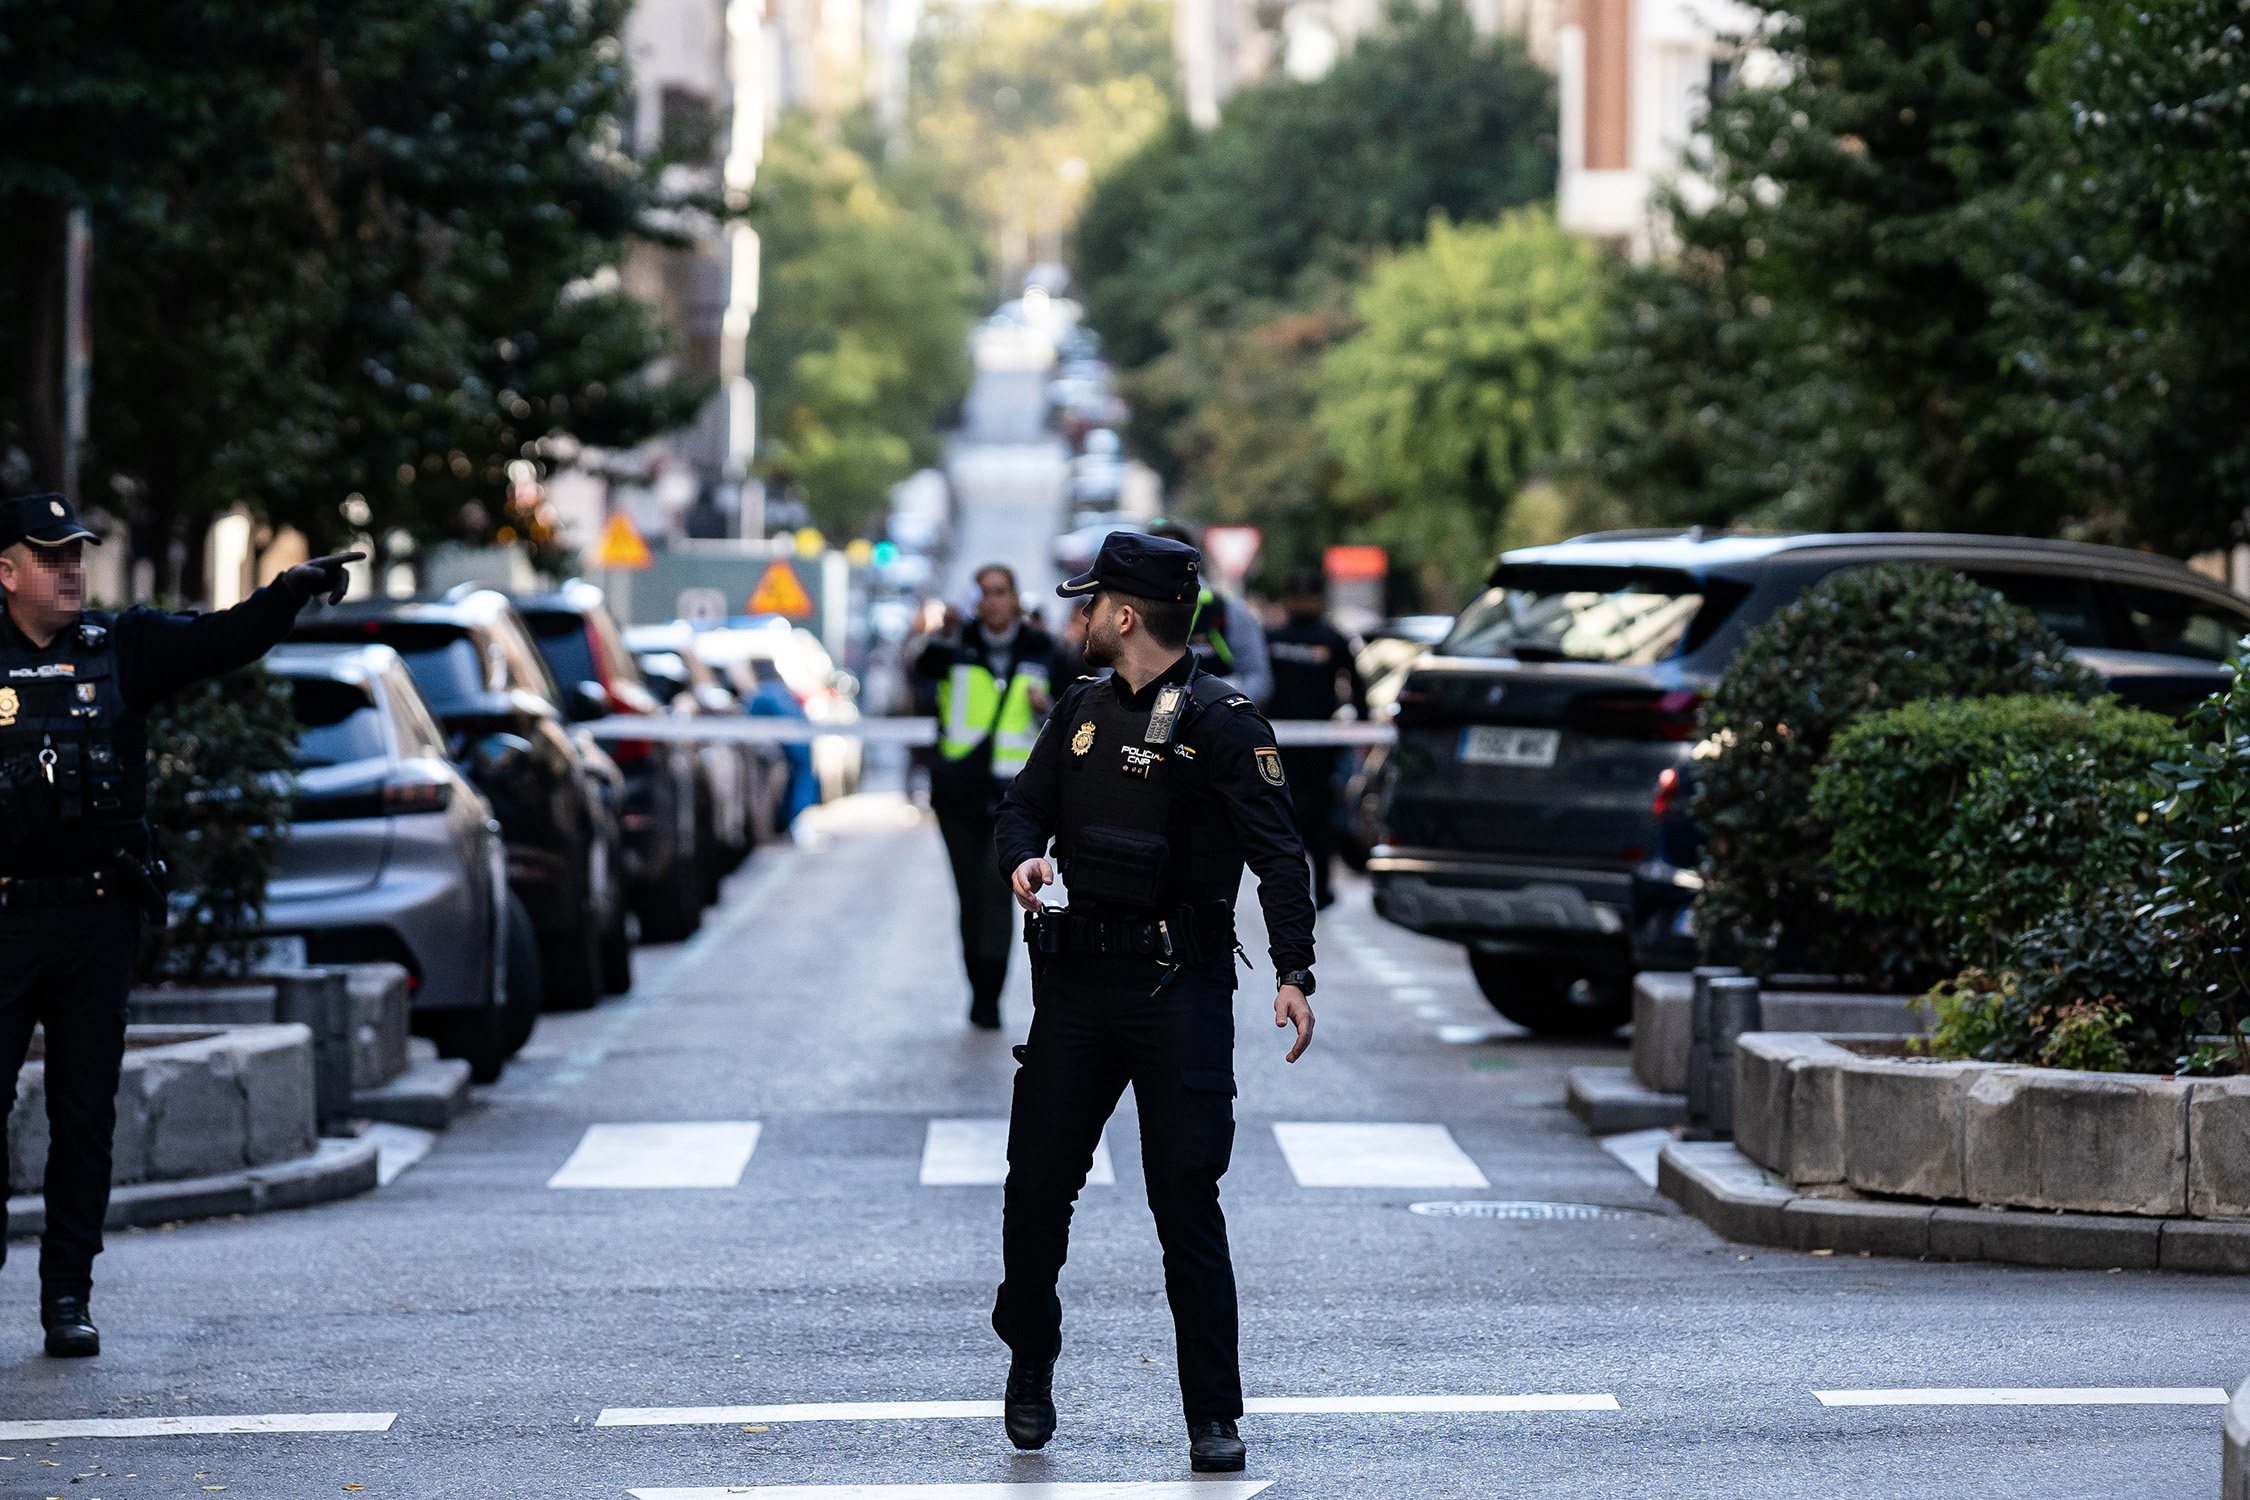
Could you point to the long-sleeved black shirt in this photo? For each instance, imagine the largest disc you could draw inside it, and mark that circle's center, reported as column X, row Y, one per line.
column 158, row 654
column 1232, row 764
column 1313, row 670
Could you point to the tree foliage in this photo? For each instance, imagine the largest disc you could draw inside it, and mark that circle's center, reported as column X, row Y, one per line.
column 865, row 307
column 1457, row 387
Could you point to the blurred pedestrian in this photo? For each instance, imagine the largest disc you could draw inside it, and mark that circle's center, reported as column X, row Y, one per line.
column 1227, row 638
column 1313, row 677
column 77, row 875
column 1156, row 784
column 993, row 686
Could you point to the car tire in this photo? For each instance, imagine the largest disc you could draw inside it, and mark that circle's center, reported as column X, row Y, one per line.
column 478, row 1037
column 570, row 963
column 1551, row 998
column 617, row 955
column 671, row 906
column 526, row 990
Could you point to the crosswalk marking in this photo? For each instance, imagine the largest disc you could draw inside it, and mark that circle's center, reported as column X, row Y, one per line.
column 125, row 1427
column 1354, row 1155
column 1162, row 1489
column 1468, row 1036
column 682, row 1154
column 2090, row 1395
column 974, row 1153
column 1411, row 994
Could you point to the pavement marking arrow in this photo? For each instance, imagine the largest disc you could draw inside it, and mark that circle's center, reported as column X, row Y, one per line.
column 1163, row 1489
column 123, row 1427
column 2086, row 1395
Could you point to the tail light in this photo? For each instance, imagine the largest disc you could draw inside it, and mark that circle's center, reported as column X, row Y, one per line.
column 404, row 791
column 1667, row 792
column 1412, row 705
column 416, row 792
column 1638, row 716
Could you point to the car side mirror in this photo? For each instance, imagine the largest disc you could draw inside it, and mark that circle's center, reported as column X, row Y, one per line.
column 586, row 702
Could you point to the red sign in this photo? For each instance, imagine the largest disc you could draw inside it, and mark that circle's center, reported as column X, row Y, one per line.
column 1346, row 564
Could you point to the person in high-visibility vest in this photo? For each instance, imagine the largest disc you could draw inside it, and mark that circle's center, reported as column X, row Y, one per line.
column 993, row 685
column 1225, row 635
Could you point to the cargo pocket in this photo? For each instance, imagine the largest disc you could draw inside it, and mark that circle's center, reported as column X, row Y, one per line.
column 1209, row 1138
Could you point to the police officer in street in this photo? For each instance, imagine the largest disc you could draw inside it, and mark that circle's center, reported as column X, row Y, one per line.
column 992, row 686
column 1157, row 784
column 77, row 876
column 1313, row 676
column 1224, row 634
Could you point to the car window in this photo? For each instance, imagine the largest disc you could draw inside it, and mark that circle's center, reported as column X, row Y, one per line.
column 523, row 664
column 1578, row 614
column 337, row 722
column 450, row 674
column 563, row 644
column 418, row 733
column 2064, row 604
column 2181, row 624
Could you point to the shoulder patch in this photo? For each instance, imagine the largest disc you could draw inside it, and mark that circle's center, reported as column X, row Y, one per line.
column 1269, row 764
column 1239, row 700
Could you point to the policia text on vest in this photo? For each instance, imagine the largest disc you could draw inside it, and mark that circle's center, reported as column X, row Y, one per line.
column 76, row 874
column 1156, row 785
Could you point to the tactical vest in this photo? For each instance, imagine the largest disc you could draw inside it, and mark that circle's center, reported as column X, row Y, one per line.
column 61, row 775
column 1133, row 832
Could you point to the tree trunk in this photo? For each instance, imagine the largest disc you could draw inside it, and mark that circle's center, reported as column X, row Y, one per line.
column 43, row 254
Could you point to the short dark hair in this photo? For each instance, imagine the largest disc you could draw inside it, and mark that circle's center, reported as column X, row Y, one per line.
column 979, row 576
column 1167, row 621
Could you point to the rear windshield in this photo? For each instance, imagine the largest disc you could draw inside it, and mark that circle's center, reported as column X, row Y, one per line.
column 442, row 658
column 336, row 723
column 1580, row 614
column 562, row 640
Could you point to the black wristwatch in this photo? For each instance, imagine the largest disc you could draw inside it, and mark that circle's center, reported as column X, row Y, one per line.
column 1301, row 978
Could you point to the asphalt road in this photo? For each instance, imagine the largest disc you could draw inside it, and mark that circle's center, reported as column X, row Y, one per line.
column 489, row 1306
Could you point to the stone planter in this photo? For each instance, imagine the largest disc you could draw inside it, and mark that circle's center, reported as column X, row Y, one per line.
column 192, row 1102
column 1661, row 1032
column 376, row 998
column 1818, row 1114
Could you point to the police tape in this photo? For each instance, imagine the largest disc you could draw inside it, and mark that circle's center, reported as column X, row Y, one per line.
column 1289, row 733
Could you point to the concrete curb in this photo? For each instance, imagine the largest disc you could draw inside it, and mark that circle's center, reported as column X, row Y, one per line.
column 335, row 1169
column 1611, row 1101
column 431, row 1094
column 2235, row 1485
column 1741, row 1200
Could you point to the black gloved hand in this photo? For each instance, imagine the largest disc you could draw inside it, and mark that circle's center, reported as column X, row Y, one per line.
column 323, row 575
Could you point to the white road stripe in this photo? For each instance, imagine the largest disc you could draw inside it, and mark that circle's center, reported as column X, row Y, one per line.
column 1378, row 1405
column 1433, row 1012
column 124, row 1427
column 974, row 1153
column 1637, row 1151
column 1465, row 1036
column 1341, row 1155
column 1410, row 994
column 2085, row 1395
column 684, row 1154
column 1162, row 1489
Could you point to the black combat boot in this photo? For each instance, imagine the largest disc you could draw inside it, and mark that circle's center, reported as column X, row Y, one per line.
column 1215, row 1448
column 71, row 1333
column 1029, row 1406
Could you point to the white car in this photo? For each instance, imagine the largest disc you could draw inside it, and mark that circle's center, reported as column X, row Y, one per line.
column 794, row 656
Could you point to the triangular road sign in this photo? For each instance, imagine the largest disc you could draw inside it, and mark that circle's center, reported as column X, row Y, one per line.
column 621, row 546
column 779, row 593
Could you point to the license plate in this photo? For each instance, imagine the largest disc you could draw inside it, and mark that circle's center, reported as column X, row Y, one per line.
column 282, row 953
column 1495, row 745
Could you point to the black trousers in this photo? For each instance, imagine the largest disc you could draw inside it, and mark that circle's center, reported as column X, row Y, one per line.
column 1312, row 792
column 1096, row 1027
column 67, row 968
column 988, row 921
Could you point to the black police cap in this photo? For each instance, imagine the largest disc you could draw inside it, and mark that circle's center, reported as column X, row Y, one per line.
column 43, row 520
column 1146, row 567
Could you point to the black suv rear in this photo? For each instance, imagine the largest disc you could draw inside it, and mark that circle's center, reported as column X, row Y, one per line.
column 1536, row 804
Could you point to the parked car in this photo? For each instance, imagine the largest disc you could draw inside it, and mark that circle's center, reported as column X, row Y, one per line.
column 742, row 784
column 755, row 652
column 557, row 797
column 1537, row 801
column 393, row 856
column 574, row 632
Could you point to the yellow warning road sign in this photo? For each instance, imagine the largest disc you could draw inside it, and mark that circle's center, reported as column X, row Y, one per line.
column 621, row 546
column 779, row 593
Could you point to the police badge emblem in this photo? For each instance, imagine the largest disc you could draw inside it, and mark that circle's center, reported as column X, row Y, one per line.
column 10, row 705
column 1269, row 764
column 1083, row 740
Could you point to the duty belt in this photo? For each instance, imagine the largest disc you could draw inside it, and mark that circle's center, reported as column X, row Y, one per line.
column 1183, row 935
column 21, row 892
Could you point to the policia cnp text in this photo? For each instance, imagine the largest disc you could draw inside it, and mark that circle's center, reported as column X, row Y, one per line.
column 76, row 873
column 1157, row 784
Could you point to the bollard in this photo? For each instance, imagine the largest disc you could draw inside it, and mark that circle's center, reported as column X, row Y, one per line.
column 321, row 999
column 1699, row 1047
column 1735, row 1009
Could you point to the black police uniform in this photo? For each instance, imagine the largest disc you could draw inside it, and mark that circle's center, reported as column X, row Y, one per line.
column 1313, row 676
column 1155, row 800
column 74, row 846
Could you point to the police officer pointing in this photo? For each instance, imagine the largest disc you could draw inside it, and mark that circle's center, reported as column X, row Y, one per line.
column 76, row 873
column 1157, row 784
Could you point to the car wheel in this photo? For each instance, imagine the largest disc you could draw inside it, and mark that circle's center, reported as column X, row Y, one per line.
column 571, row 964
column 671, row 906
column 478, row 1037
column 617, row 955
column 526, row 987
column 1550, row 998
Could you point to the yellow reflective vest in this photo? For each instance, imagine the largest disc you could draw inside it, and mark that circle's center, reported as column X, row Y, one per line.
column 970, row 707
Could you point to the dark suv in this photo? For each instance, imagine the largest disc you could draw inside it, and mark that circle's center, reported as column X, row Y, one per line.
column 556, row 798
column 574, row 632
column 1535, row 807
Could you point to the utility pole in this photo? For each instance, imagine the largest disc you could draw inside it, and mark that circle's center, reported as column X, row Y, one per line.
column 60, row 346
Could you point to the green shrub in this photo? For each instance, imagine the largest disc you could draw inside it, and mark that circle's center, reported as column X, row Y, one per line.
column 1857, row 642
column 218, row 798
column 1955, row 824
column 2205, row 863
